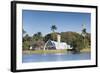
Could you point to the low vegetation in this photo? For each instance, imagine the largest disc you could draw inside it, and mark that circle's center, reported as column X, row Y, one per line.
column 44, row 51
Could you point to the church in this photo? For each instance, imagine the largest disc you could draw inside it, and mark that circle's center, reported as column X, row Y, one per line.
column 51, row 45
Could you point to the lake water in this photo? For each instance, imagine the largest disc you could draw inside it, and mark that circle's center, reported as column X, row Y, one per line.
column 54, row 57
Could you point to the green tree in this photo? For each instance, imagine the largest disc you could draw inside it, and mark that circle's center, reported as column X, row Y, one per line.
column 77, row 44
column 27, row 38
column 37, row 36
column 74, row 39
column 37, row 40
column 53, row 28
column 50, row 37
column 26, row 42
column 47, row 37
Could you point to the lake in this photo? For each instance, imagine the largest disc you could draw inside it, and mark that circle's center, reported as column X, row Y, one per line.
column 54, row 57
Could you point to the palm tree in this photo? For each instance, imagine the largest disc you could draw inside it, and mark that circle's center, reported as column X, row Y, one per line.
column 39, row 34
column 84, row 34
column 53, row 28
column 83, row 30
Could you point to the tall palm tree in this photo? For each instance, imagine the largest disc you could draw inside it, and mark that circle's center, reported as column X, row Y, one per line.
column 84, row 34
column 53, row 28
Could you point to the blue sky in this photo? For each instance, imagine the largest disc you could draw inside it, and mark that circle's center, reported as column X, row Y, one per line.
column 41, row 21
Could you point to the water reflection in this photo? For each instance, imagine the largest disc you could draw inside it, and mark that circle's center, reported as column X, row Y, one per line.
column 54, row 57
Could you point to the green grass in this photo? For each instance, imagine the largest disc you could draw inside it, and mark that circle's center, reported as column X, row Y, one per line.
column 43, row 51
column 51, row 51
column 86, row 50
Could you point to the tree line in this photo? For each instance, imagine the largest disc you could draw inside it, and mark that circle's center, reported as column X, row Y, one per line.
column 78, row 41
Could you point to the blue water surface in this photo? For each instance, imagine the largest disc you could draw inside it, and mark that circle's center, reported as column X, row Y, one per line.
column 54, row 57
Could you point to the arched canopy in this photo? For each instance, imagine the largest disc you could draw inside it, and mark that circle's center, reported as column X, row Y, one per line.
column 49, row 45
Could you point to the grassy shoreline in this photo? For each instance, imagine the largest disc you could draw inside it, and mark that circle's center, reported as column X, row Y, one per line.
column 43, row 51
column 85, row 50
column 50, row 51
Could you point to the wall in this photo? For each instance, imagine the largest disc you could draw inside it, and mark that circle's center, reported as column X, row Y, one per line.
column 5, row 36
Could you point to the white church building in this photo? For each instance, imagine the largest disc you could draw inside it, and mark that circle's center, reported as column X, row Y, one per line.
column 49, row 45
